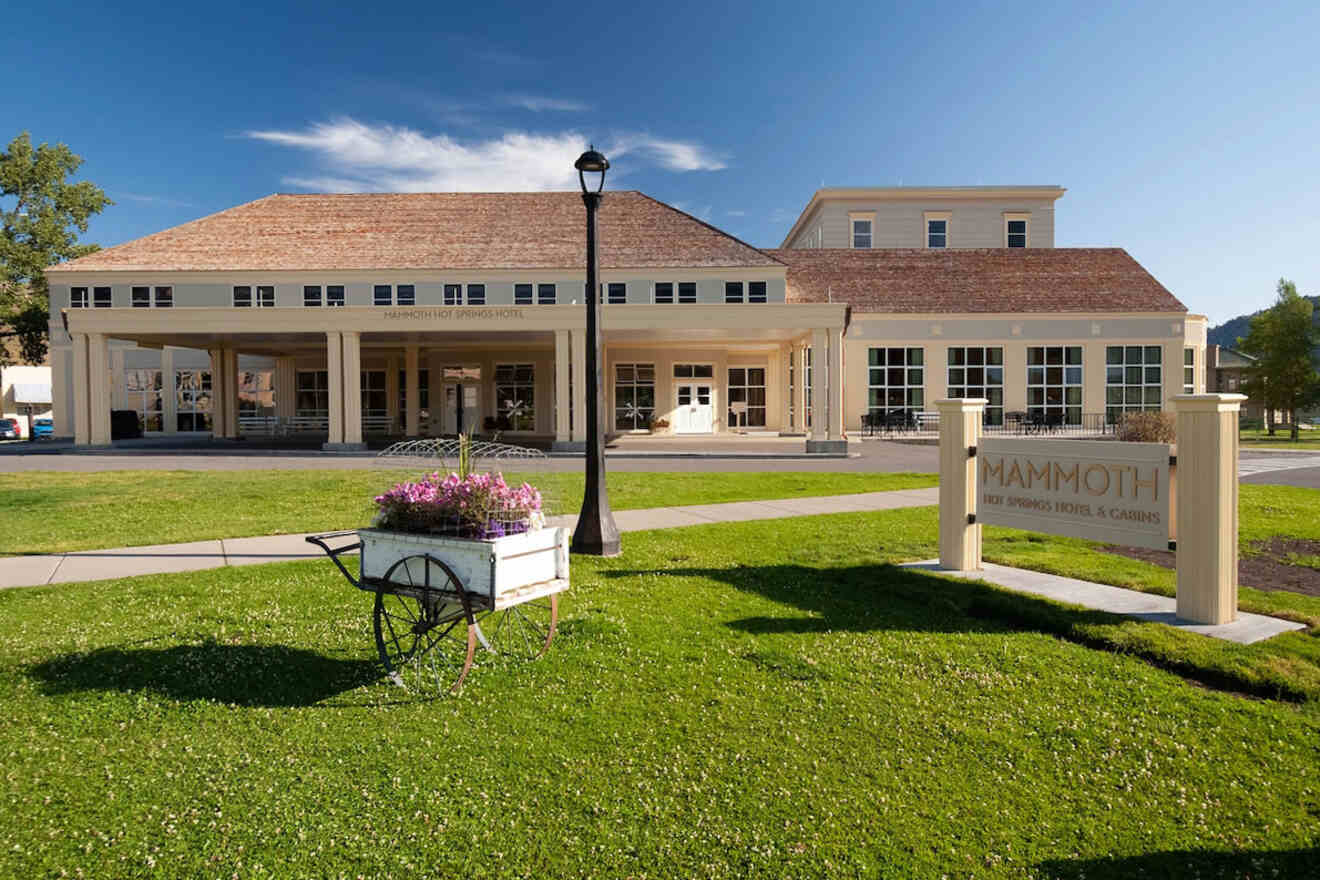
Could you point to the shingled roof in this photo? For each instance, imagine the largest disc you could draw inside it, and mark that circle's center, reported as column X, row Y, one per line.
column 429, row 231
column 975, row 280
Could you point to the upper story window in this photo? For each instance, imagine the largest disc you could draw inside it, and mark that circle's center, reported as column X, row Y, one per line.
column 165, row 297
column 733, row 291
column 405, row 295
column 862, row 226
column 616, row 293
column 1189, row 371
column 242, row 296
column 453, row 295
column 382, row 295
column 664, row 292
column 312, row 295
column 77, row 297
column 262, row 296
column 334, row 294
column 1015, row 230
column 756, row 291
column 937, row 229
column 687, row 292
column 101, row 297
column 546, row 295
column 141, row 297
column 522, row 294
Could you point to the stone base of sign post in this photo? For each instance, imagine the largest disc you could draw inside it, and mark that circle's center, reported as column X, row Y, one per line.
column 1206, row 506
column 960, row 535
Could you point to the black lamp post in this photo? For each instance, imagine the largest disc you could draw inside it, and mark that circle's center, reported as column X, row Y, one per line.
column 596, row 534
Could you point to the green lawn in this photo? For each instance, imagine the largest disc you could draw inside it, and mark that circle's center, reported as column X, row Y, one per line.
column 766, row 699
column 53, row 512
column 1261, row 439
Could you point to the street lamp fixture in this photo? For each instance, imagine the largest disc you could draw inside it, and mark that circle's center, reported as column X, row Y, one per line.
column 596, row 534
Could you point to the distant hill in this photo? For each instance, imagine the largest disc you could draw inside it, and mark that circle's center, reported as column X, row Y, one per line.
column 1228, row 333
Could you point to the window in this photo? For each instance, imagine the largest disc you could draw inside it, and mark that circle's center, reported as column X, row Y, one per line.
column 192, row 397
column 664, row 292
column 256, row 393
column 747, row 393
column 515, row 397
column 374, row 399
column 756, row 291
column 313, row 400
column 405, row 295
column 687, row 292
column 861, row 232
column 979, row 372
column 242, row 297
column 1054, row 383
column 1134, row 379
column 694, row 371
column 143, row 395
column 617, row 294
column 101, row 297
column 423, row 395
column 1189, row 371
column 311, row 296
column 165, row 300
column 807, row 378
column 1015, row 230
column 522, row 294
column 265, row 296
column 733, row 291
column 476, row 294
column 634, row 396
column 382, row 295
column 77, row 297
column 453, row 295
column 896, row 379
column 334, row 295
column 546, row 295
column 141, row 297
column 937, row 233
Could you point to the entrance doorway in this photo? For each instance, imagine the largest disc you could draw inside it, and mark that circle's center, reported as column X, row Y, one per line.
column 462, row 413
column 695, row 413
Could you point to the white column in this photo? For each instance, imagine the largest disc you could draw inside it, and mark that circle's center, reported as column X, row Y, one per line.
column 286, row 387
column 785, row 389
column 231, row 394
column 81, row 392
column 577, row 363
column 352, row 385
column 836, row 384
column 562, row 358
column 61, row 371
column 412, row 390
column 98, row 399
column 800, row 389
column 334, row 365
column 169, row 391
column 819, row 383
column 117, row 389
column 392, row 391
column 217, row 356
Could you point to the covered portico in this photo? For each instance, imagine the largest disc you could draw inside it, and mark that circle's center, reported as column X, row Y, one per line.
column 516, row 370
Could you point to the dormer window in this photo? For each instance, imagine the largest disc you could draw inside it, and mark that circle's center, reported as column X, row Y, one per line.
column 937, row 228
column 1016, row 230
column 862, row 229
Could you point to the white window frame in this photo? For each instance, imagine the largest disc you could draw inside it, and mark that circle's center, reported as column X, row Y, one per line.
column 255, row 290
column 620, row 287
column 552, row 299
column 678, row 293
column 110, row 303
column 759, row 298
column 477, row 287
column 445, row 291
column 155, row 296
column 132, row 304
column 320, row 296
column 1144, row 387
column 343, row 296
column 913, row 393
column 496, row 384
column 83, row 302
column 1189, row 369
column 1038, row 379
column 389, row 301
column 531, row 293
column 742, row 292
column 1025, row 217
column 937, row 216
column 399, row 302
column 867, row 217
column 963, row 387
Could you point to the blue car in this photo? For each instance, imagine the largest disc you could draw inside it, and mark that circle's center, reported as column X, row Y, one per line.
column 42, row 429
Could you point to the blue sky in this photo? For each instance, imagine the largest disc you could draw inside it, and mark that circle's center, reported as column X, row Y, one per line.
column 1187, row 133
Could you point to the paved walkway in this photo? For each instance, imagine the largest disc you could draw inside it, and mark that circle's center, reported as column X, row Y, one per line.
column 96, row 565
column 1246, row 629
column 1251, row 464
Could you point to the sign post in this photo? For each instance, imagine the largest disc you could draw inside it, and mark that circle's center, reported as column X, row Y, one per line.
column 1207, row 506
column 960, row 534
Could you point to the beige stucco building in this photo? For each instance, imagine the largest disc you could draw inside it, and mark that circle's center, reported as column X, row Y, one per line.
column 390, row 315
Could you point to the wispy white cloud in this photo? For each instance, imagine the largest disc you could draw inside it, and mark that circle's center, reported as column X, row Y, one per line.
column 701, row 212
column 154, row 200
column 539, row 104
column 356, row 157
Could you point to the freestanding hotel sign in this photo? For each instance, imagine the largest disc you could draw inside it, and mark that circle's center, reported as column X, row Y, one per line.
column 1118, row 493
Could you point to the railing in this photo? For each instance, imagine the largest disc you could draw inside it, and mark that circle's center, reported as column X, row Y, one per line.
column 285, row 426
column 900, row 422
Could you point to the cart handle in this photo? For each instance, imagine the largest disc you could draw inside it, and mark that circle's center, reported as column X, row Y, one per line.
column 335, row 552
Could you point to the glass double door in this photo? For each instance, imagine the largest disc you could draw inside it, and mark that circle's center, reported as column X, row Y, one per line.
column 695, row 413
column 462, row 410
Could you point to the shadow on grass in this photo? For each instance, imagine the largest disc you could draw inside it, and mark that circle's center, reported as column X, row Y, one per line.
column 246, row 675
column 1189, row 863
column 867, row 598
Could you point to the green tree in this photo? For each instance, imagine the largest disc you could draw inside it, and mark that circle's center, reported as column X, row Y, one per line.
column 1283, row 340
column 41, row 216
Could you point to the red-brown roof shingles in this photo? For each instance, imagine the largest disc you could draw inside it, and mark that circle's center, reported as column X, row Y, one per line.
column 977, row 280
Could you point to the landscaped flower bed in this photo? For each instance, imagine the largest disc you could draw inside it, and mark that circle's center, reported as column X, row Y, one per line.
column 480, row 506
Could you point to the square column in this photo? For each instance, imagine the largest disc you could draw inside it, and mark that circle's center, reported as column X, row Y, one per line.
column 118, row 391
column 61, row 371
column 81, row 392
column 286, row 387
column 169, row 392
column 98, row 398
column 578, row 365
column 820, row 439
column 562, row 403
column 960, row 431
column 392, row 416
column 334, row 367
column 836, row 384
column 217, row 356
column 230, row 400
column 785, row 389
column 352, row 388
column 412, row 391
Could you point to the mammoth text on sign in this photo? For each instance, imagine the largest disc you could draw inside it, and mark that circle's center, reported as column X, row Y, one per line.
column 1114, row 492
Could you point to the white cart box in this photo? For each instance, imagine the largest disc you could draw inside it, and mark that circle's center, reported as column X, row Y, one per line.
column 501, row 569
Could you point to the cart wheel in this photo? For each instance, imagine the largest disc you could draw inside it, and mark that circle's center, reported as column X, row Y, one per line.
column 525, row 630
column 425, row 638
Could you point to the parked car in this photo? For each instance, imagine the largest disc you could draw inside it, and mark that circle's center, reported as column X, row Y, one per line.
column 9, row 430
column 43, row 429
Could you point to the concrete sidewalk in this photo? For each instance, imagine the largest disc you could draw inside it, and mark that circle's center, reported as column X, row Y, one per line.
column 97, row 565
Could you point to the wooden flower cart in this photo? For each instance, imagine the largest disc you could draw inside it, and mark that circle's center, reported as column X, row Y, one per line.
column 433, row 593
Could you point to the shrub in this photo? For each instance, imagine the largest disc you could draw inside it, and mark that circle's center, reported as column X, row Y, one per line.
column 473, row 506
column 1147, row 427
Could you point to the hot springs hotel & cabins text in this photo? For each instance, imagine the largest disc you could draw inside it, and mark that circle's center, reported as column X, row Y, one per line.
column 354, row 317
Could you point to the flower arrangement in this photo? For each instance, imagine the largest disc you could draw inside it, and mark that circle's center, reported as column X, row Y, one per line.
column 480, row 506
